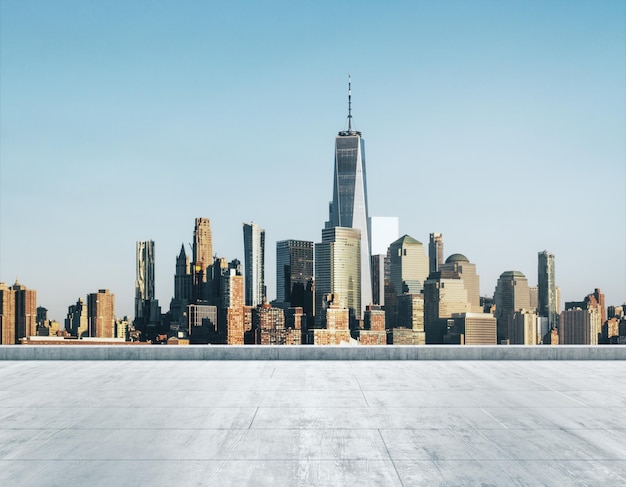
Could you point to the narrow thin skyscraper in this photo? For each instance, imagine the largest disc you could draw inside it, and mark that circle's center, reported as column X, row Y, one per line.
column 349, row 206
column 435, row 251
column 547, row 288
column 254, row 250
column 203, row 246
column 144, row 283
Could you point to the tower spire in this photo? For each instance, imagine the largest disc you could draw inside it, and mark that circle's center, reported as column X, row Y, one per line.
column 349, row 103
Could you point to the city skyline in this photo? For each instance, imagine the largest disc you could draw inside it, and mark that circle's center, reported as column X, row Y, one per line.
column 500, row 127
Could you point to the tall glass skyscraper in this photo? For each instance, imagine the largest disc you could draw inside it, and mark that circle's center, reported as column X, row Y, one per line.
column 294, row 271
column 547, row 288
column 337, row 270
column 349, row 206
column 254, row 250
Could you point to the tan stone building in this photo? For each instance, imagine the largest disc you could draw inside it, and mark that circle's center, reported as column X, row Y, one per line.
column 101, row 314
column 18, row 313
column 472, row 329
column 580, row 326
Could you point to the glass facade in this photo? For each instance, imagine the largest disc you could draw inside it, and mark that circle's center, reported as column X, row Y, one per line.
column 349, row 206
column 294, row 270
column 547, row 288
column 338, row 269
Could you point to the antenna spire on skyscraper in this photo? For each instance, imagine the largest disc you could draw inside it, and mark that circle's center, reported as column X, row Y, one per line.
column 349, row 103
column 350, row 131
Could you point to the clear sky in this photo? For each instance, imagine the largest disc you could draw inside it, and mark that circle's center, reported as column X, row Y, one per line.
column 500, row 124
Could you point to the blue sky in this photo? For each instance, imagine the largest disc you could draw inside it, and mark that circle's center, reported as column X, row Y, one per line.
column 500, row 124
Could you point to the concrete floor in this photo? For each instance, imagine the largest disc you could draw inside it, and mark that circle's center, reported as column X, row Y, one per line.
column 318, row 423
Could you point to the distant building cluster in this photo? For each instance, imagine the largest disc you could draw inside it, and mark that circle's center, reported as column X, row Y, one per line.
column 362, row 283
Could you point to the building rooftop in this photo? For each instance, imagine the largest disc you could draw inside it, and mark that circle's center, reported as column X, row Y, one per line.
column 456, row 258
column 406, row 239
column 512, row 274
column 312, row 422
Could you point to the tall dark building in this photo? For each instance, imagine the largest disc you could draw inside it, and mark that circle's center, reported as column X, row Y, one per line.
column 546, row 285
column 254, row 249
column 182, row 278
column 294, row 272
column 435, row 252
column 512, row 294
column 349, row 206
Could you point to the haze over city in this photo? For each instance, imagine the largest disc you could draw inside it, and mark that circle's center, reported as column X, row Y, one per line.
column 499, row 125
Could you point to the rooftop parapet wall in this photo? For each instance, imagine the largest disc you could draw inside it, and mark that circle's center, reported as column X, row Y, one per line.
column 308, row 352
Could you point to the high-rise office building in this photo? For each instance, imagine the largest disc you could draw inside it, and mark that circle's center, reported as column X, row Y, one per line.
column 435, row 251
column 7, row 314
column 254, row 250
column 349, row 206
column 294, row 272
column 232, row 307
column 101, row 314
column 203, row 245
column 511, row 294
column 547, row 294
column 524, row 328
column 77, row 322
column 182, row 278
column 18, row 313
column 459, row 266
column 408, row 265
column 144, row 282
column 443, row 297
column 579, row 326
column 202, row 261
column 594, row 300
column 338, row 270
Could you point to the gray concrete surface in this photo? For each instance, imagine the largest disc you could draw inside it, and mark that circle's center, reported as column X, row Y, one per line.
column 317, row 423
column 307, row 352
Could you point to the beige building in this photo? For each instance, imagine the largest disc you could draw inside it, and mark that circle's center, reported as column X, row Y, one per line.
column 7, row 314
column 338, row 270
column 580, row 326
column 457, row 266
column 442, row 298
column 408, row 265
column 202, row 248
column 472, row 329
column 337, row 321
column 18, row 313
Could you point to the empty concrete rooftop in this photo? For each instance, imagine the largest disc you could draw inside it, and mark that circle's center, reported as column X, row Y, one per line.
column 312, row 422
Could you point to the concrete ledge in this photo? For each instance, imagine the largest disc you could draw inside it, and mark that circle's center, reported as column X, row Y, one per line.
column 251, row 352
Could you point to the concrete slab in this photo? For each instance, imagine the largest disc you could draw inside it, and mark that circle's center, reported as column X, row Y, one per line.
column 319, row 423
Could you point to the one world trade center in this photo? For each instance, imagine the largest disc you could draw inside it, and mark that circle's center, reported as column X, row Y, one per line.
column 349, row 205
